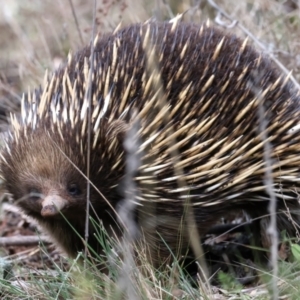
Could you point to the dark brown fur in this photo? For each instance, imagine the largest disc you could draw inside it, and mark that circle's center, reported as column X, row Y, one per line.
column 36, row 163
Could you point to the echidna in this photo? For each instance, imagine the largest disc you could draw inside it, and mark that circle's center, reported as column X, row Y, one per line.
column 195, row 91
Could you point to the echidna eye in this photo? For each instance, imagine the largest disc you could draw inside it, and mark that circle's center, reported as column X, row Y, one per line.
column 74, row 190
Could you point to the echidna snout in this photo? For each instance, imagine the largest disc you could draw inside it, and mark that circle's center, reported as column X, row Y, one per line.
column 52, row 205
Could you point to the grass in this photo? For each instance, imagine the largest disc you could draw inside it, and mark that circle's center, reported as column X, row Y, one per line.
column 141, row 282
column 38, row 35
column 116, row 283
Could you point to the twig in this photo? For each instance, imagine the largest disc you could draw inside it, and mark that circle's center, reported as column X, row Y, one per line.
column 21, row 240
column 256, row 40
column 268, row 182
column 76, row 22
column 127, row 209
column 88, row 96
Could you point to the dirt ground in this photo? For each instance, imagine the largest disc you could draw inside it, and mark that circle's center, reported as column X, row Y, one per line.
column 25, row 245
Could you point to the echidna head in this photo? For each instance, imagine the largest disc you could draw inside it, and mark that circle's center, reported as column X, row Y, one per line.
column 44, row 163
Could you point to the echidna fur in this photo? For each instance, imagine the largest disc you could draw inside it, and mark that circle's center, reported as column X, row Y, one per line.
column 196, row 92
